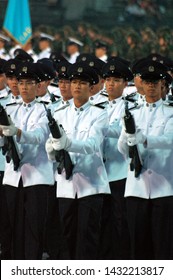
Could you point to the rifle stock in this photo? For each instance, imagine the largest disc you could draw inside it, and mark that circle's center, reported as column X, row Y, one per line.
column 136, row 163
column 9, row 150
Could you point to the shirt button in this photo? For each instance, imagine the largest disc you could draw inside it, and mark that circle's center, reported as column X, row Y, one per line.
column 149, row 172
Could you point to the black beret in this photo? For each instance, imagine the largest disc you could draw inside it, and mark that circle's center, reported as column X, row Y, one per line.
column 27, row 70
column 137, row 66
column 39, row 70
column 118, row 58
column 81, row 70
column 84, row 57
column 153, row 70
column 57, row 57
column 47, row 68
column 100, row 44
column 22, row 56
column 10, row 67
column 62, row 69
column 117, row 69
column 93, row 61
column 2, row 64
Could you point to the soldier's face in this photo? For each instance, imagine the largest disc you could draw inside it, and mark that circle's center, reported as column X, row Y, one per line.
column 65, row 89
column 96, row 88
column 12, row 82
column 2, row 81
column 80, row 90
column 138, row 84
column 114, row 87
column 27, row 89
column 152, row 90
column 42, row 88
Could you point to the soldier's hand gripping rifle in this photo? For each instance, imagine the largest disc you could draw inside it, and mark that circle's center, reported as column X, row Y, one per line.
column 9, row 150
column 62, row 157
column 136, row 162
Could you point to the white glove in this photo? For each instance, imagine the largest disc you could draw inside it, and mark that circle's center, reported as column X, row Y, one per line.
column 49, row 149
column 9, row 130
column 122, row 143
column 62, row 143
column 137, row 138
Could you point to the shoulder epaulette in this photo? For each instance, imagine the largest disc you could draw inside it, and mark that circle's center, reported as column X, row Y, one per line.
column 130, row 97
column 44, row 102
column 170, row 104
column 54, row 85
column 104, row 93
column 61, row 108
column 56, row 101
column 10, row 104
column 4, row 97
column 98, row 106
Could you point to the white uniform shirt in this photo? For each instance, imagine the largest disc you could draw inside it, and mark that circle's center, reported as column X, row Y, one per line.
column 98, row 98
column 73, row 57
column 60, row 103
column 85, row 126
column 115, row 163
column 156, row 179
column 14, row 99
column 103, row 58
column 4, row 54
column 55, row 90
column 33, row 55
column 4, row 99
column 45, row 53
column 35, row 169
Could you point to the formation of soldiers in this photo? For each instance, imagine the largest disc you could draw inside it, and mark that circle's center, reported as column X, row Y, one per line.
column 77, row 126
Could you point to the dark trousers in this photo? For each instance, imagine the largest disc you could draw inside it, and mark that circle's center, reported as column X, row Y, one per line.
column 81, row 223
column 119, row 225
column 54, row 241
column 151, row 227
column 27, row 214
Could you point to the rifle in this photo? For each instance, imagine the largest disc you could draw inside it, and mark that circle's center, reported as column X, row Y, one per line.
column 9, row 150
column 136, row 162
column 62, row 157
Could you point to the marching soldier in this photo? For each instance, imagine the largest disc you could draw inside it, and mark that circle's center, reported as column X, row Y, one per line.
column 149, row 196
column 116, row 75
column 10, row 69
column 26, row 187
column 81, row 197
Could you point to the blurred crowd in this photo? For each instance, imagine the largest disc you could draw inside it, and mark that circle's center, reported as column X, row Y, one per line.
column 126, row 42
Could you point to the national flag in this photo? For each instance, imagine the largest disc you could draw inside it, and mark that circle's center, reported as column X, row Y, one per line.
column 17, row 21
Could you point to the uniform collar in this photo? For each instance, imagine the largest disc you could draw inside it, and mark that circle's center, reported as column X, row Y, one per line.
column 68, row 102
column 154, row 105
column 16, row 99
column 94, row 96
column 115, row 101
column 4, row 93
column 29, row 105
column 82, row 108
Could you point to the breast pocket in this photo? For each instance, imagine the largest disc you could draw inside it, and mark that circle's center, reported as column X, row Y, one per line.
column 83, row 132
column 31, row 124
column 158, row 127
